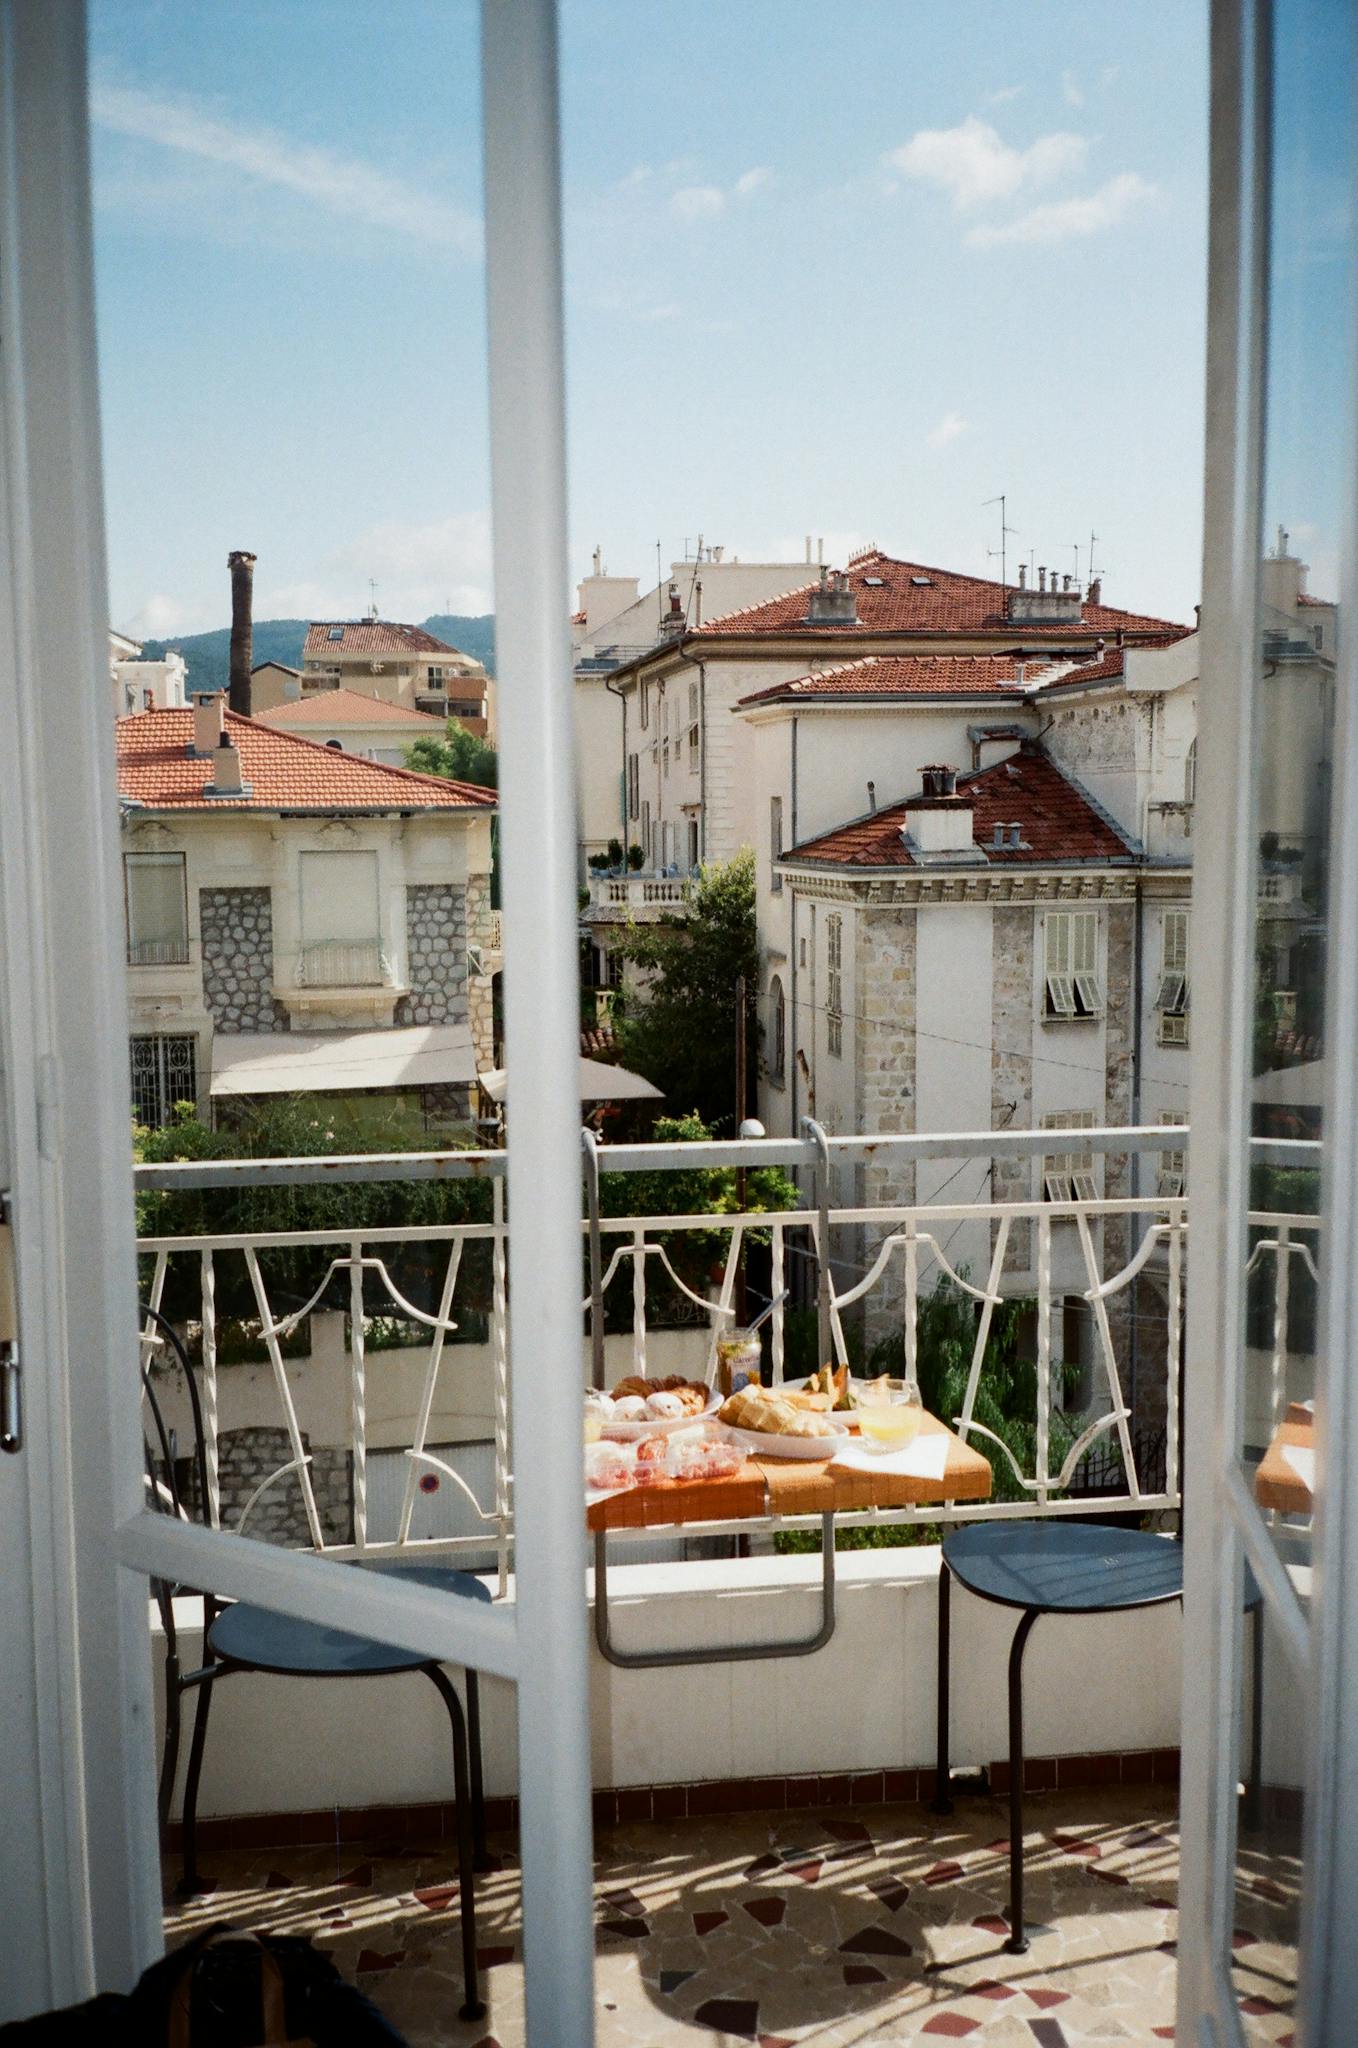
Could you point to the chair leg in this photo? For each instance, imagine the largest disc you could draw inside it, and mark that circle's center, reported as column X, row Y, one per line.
column 188, row 1883
column 169, row 1762
column 483, row 1861
column 1017, row 1944
column 942, row 1787
column 474, row 2006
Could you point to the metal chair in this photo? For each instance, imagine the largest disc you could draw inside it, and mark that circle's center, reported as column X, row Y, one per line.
column 242, row 1637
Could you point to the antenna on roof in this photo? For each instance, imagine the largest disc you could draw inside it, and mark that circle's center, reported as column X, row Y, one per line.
column 372, row 608
column 1076, row 545
column 1092, row 538
column 1005, row 531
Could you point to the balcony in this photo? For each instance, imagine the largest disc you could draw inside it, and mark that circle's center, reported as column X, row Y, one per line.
column 645, row 896
column 792, row 1799
column 354, row 982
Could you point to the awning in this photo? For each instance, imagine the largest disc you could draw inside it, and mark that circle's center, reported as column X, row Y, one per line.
column 598, row 1083
column 307, row 1062
column 1299, row 1087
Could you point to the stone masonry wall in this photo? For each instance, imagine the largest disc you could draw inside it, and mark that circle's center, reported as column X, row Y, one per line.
column 885, row 1029
column 480, row 994
column 236, row 927
column 1011, row 1064
column 436, row 955
column 246, row 1457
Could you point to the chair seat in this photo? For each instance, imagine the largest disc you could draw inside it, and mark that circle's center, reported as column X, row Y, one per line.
column 265, row 1641
column 1065, row 1567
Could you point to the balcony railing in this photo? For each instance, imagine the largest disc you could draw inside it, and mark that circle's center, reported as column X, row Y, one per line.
column 333, row 965
column 1099, row 1251
column 158, row 952
column 637, row 892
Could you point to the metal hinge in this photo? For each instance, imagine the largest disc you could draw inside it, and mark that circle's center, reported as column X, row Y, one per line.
column 11, row 1396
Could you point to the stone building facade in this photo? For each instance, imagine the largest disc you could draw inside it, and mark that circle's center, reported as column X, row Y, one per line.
column 236, row 931
column 436, row 955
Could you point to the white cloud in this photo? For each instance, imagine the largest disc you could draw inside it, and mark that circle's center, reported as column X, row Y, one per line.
column 443, row 564
column 342, row 185
column 949, row 427
column 1072, row 92
column 1067, row 220
column 974, row 165
column 161, row 617
column 754, row 180
column 1005, row 93
column 697, row 202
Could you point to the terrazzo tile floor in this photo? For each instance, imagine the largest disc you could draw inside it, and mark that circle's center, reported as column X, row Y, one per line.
column 839, row 1929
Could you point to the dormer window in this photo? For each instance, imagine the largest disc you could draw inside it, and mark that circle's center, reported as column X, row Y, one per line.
column 923, row 582
column 335, row 633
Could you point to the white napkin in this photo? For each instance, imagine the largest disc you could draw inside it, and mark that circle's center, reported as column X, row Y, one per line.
column 594, row 1494
column 1303, row 1463
column 925, row 1458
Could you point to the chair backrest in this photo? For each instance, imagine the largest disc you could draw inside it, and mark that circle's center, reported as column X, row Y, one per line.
column 164, row 1457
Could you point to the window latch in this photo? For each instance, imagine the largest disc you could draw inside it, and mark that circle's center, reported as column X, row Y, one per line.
column 11, row 1396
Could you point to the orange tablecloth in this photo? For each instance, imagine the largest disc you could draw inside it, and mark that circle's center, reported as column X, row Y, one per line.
column 782, row 1486
column 1276, row 1485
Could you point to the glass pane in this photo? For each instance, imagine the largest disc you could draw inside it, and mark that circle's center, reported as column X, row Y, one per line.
column 1316, row 44
column 1268, row 1879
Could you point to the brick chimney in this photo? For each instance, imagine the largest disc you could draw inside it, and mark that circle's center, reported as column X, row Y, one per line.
column 242, row 567
column 939, row 825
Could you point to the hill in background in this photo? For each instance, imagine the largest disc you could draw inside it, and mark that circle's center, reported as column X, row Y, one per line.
column 208, row 655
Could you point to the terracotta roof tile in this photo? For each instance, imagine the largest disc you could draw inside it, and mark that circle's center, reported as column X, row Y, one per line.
column 373, row 637
column 285, row 773
column 1059, row 822
column 1111, row 665
column 907, row 675
column 911, row 597
column 349, row 707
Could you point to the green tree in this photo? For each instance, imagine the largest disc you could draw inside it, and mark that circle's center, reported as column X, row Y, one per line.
column 679, row 1028
column 460, row 757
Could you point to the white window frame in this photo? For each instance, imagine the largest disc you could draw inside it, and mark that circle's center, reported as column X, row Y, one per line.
column 1172, row 1174
column 834, row 984
column 66, row 1035
column 155, row 952
column 1069, row 1176
column 1172, row 991
column 1072, row 988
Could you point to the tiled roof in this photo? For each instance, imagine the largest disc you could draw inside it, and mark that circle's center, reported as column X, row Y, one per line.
column 285, row 773
column 284, row 667
column 910, row 597
column 373, row 637
column 1111, row 665
column 903, row 675
column 349, row 707
column 1059, row 822
column 1305, row 597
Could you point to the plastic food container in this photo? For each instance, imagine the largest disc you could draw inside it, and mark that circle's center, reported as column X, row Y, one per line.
column 610, row 1467
column 708, row 1457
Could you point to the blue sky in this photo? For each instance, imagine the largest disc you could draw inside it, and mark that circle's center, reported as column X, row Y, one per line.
column 845, row 272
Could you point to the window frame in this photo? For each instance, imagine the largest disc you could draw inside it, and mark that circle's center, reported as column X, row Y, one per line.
column 1072, row 986
column 137, row 860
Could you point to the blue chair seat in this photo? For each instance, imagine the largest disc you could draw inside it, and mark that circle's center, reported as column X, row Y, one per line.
column 265, row 1641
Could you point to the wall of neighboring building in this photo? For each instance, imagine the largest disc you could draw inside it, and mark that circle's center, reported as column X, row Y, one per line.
column 598, row 767
column 245, row 926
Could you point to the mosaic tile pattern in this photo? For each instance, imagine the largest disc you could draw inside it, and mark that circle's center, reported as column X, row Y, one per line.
column 834, row 1929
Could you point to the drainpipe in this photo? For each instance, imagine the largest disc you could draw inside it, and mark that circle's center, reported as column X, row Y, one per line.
column 621, row 696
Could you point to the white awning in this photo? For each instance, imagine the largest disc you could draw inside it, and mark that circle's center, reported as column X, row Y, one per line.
column 1299, row 1087
column 306, row 1062
column 598, row 1083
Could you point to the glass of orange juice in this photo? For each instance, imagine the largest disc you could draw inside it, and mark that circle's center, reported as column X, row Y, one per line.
column 888, row 1412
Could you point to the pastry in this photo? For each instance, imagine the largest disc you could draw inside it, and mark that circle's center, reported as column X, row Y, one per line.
column 634, row 1385
column 665, row 1407
column 757, row 1409
column 629, row 1408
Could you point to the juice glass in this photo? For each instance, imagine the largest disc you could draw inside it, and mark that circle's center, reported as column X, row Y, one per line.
column 888, row 1412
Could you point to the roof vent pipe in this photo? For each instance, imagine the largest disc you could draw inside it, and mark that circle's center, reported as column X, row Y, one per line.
column 872, row 796
column 1023, row 575
column 1042, row 577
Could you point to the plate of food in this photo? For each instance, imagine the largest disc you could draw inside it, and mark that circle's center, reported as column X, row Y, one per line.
column 765, row 1421
column 638, row 1407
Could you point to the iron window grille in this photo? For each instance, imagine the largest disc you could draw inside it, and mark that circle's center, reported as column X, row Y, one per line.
column 164, row 1072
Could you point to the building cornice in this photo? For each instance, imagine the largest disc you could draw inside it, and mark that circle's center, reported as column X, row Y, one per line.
column 883, row 889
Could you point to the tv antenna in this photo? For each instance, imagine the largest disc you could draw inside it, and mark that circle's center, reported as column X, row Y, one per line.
column 1092, row 538
column 1005, row 531
column 372, row 608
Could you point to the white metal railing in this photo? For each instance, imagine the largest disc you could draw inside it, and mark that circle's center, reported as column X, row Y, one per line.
column 1040, row 1251
column 334, row 965
column 158, row 952
column 639, row 891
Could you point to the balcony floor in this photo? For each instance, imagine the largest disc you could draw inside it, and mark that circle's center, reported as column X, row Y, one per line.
column 872, row 1926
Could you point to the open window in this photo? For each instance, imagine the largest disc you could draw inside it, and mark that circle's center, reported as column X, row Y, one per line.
column 1069, row 1176
column 1072, row 989
column 1171, row 1000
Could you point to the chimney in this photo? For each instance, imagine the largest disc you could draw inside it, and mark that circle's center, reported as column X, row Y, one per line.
column 672, row 624
column 1096, row 591
column 1042, row 577
column 207, row 724
column 242, row 567
column 226, row 776
column 1023, row 575
column 939, row 824
column 833, row 603
column 872, row 796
